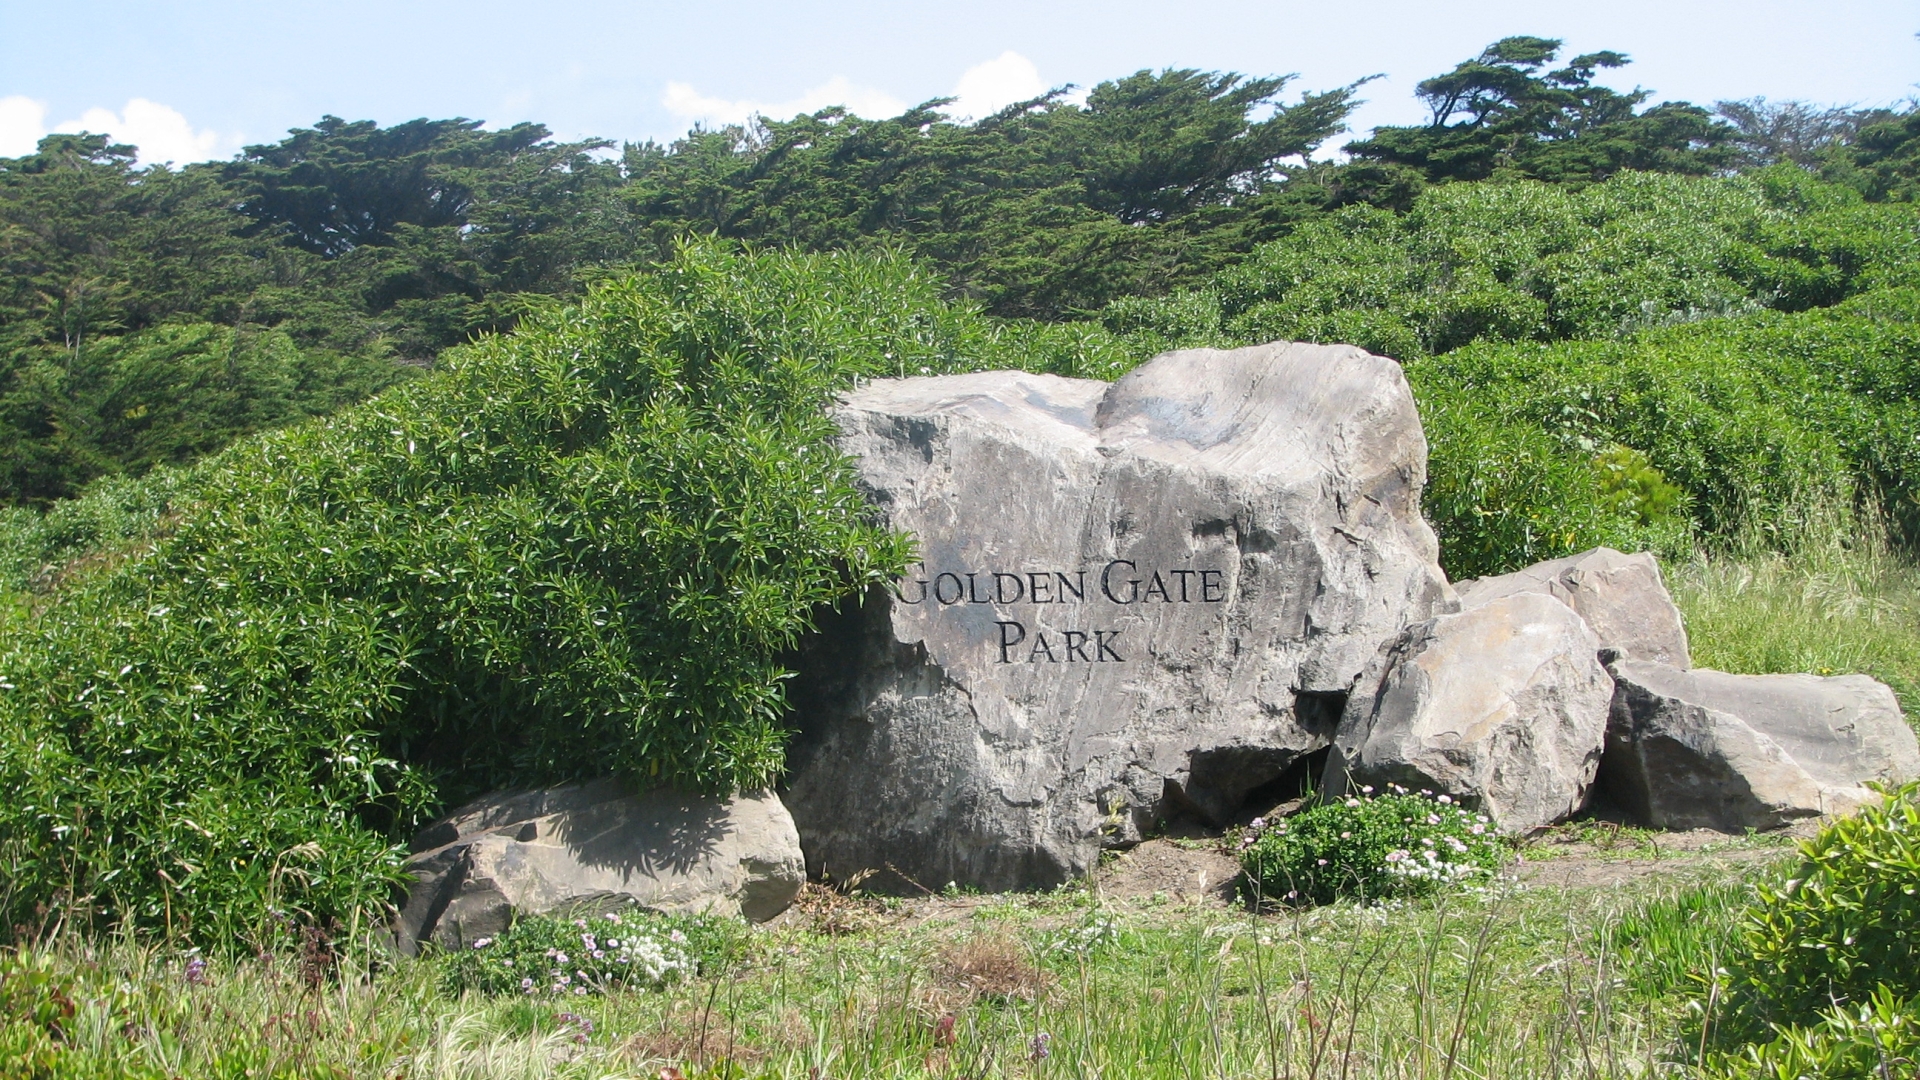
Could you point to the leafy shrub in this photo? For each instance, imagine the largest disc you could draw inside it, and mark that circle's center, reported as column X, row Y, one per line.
column 1503, row 494
column 1527, row 261
column 1844, row 928
column 557, row 957
column 1873, row 1040
column 578, row 550
column 1630, row 486
column 1369, row 847
column 164, row 395
column 1753, row 420
column 37, row 546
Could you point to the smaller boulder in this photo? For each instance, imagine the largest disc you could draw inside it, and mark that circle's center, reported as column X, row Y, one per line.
column 595, row 845
column 1707, row 750
column 1622, row 597
column 1502, row 706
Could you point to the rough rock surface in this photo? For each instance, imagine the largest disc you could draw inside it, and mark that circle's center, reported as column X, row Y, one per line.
column 1622, row 598
column 1503, row 706
column 1135, row 597
column 596, row 844
column 1705, row 749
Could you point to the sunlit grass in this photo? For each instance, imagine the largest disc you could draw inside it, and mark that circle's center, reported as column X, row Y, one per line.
column 1506, row 981
column 1830, row 599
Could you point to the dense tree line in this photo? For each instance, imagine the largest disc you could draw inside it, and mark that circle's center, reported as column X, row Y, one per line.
column 149, row 315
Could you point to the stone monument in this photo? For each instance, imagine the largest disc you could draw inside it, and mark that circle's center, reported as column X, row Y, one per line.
column 1133, row 598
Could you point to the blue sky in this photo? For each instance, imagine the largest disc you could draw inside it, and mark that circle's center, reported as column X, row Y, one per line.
column 197, row 79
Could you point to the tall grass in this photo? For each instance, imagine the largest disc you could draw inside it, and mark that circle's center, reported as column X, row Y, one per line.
column 1821, row 593
column 1506, row 982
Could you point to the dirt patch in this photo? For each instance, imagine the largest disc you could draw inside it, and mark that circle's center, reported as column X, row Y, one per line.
column 1580, row 856
column 1595, row 858
column 1168, row 869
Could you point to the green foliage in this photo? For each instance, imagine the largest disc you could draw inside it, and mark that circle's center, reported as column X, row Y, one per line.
column 574, row 957
column 1527, row 261
column 1881, row 159
column 1043, row 209
column 39, row 548
column 1506, row 113
column 430, row 231
column 1753, row 419
column 578, row 550
column 1502, row 495
column 1671, row 946
column 1847, row 926
column 39, row 1021
column 363, row 245
column 124, row 404
column 1370, row 848
column 1661, row 285
column 1871, row 1040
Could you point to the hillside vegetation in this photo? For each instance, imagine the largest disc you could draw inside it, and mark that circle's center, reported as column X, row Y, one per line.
column 379, row 468
column 577, row 550
column 232, row 687
column 310, row 272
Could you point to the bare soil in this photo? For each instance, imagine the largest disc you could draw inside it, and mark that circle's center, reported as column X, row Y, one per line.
column 1198, row 872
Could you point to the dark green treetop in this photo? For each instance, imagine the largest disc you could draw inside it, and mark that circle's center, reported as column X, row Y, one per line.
column 1509, row 112
column 1041, row 209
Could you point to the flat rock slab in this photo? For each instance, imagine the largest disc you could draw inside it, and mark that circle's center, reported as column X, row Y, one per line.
column 1706, row 749
column 1133, row 598
column 595, row 845
column 1502, row 706
column 1622, row 598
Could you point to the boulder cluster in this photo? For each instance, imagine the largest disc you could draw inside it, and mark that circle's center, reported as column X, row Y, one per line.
column 1174, row 596
column 1570, row 681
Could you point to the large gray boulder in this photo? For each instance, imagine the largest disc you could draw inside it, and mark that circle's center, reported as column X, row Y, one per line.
column 593, row 845
column 1704, row 749
column 1622, row 598
column 1134, row 598
column 1502, row 706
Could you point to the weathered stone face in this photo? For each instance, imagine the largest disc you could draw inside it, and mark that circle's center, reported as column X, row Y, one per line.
column 1621, row 597
column 1706, row 749
column 1154, row 590
column 1502, row 706
column 597, row 844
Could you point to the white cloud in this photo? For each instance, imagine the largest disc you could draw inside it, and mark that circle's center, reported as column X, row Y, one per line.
column 161, row 133
column 986, row 88
column 689, row 105
column 22, row 122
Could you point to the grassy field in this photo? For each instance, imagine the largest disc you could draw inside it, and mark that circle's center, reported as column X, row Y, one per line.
column 1834, row 602
column 1520, row 978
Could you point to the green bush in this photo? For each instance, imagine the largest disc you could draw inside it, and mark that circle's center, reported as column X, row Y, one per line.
column 565, row 957
column 162, row 396
column 578, row 550
column 1647, row 362
column 1503, row 494
column 1876, row 1039
column 1542, row 449
column 1368, row 847
column 1847, row 926
column 1526, row 261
